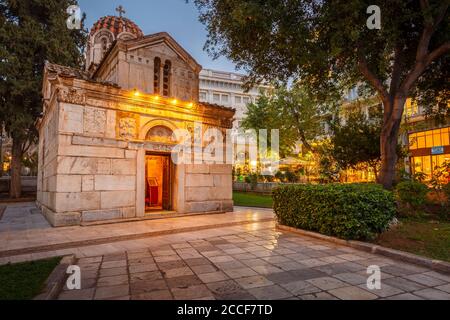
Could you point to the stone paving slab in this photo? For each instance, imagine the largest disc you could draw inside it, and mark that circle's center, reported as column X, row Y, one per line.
column 207, row 268
column 23, row 232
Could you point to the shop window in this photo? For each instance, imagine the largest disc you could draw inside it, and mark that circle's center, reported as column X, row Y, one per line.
column 445, row 137
column 421, row 140
column 413, row 141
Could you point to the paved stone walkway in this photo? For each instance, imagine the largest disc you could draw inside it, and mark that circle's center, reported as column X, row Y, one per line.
column 251, row 264
column 26, row 235
column 247, row 259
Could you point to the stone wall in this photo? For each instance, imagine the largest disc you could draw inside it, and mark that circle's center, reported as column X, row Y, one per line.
column 133, row 68
column 92, row 150
column 208, row 188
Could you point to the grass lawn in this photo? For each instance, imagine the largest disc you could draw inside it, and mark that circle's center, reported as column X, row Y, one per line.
column 425, row 236
column 24, row 281
column 252, row 200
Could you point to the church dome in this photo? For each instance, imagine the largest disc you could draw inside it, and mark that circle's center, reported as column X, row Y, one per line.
column 117, row 25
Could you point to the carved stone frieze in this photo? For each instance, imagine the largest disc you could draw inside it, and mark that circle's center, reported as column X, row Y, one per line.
column 71, row 95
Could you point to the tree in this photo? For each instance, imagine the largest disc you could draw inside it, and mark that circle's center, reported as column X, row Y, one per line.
column 355, row 140
column 327, row 46
column 293, row 111
column 31, row 32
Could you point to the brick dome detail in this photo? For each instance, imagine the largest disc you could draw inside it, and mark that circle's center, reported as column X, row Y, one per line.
column 117, row 25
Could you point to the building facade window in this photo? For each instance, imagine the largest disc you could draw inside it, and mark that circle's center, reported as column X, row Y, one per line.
column 225, row 98
column 157, row 76
column 167, row 78
column 104, row 45
column 429, row 139
column 429, row 150
column 411, row 108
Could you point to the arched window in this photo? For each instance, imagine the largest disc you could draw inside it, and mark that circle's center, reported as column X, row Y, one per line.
column 104, row 45
column 157, row 76
column 166, row 78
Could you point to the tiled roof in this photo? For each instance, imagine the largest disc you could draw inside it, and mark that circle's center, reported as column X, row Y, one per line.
column 117, row 25
column 69, row 72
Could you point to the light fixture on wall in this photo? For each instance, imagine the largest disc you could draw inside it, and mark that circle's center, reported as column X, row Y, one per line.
column 174, row 101
column 136, row 93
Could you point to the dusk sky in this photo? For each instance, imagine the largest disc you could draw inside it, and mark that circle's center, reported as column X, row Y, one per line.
column 176, row 17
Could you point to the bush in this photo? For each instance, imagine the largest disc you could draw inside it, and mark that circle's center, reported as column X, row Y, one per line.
column 446, row 190
column 412, row 193
column 350, row 211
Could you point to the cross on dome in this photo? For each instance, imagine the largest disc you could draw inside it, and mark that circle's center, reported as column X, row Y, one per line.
column 120, row 10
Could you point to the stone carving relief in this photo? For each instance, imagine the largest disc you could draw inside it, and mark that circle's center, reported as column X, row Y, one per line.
column 158, row 147
column 71, row 95
column 160, row 134
column 127, row 128
column 94, row 121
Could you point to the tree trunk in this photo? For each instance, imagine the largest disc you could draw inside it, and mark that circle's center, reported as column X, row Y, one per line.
column 389, row 142
column 15, row 190
column 1, row 154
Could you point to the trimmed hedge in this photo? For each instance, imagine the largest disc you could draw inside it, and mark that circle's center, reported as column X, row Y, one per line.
column 412, row 193
column 348, row 211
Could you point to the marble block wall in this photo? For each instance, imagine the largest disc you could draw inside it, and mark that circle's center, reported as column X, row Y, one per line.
column 91, row 168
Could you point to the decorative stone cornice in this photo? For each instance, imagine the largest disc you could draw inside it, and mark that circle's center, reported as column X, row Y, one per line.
column 71, row 95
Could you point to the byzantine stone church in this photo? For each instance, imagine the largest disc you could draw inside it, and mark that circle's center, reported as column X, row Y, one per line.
column 105, row 137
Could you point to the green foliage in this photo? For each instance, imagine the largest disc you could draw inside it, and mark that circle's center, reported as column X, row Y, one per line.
column 357, row 140
column 440, row 176
column 252, row 178
column 326, row 47
column 252, row 200
column 23, row 281
column 412, row 193
column 309, row 40
column 328, row 169
column 349, row 211
column 32, row 32
column 446, row 191
column 297, row 114
column 290, row 176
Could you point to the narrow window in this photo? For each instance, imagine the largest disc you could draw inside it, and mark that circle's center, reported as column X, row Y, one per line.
column 157, row 76
column 104, row 45
column 166, row 79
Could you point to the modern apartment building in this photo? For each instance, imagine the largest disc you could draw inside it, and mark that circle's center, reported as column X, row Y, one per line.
column 225, row 88
column 428, row 141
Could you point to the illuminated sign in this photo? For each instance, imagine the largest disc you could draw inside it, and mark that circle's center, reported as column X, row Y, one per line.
column 437, row 150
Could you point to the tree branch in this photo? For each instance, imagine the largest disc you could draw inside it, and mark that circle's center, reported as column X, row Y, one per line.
column 372, row 78
column 421, row 65
column 423, row 58
column 436, row 53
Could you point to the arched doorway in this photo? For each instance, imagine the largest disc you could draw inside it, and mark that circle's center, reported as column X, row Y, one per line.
column 159, row 171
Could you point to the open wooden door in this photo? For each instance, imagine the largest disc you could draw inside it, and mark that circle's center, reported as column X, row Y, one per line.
column 167, row 185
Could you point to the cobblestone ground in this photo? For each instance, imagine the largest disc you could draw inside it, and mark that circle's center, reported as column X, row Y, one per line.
column 261, row 264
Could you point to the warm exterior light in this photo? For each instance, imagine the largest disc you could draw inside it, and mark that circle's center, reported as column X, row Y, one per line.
column 156, row 98
column 174, row 101
column 136, row 93
column 190, row 105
